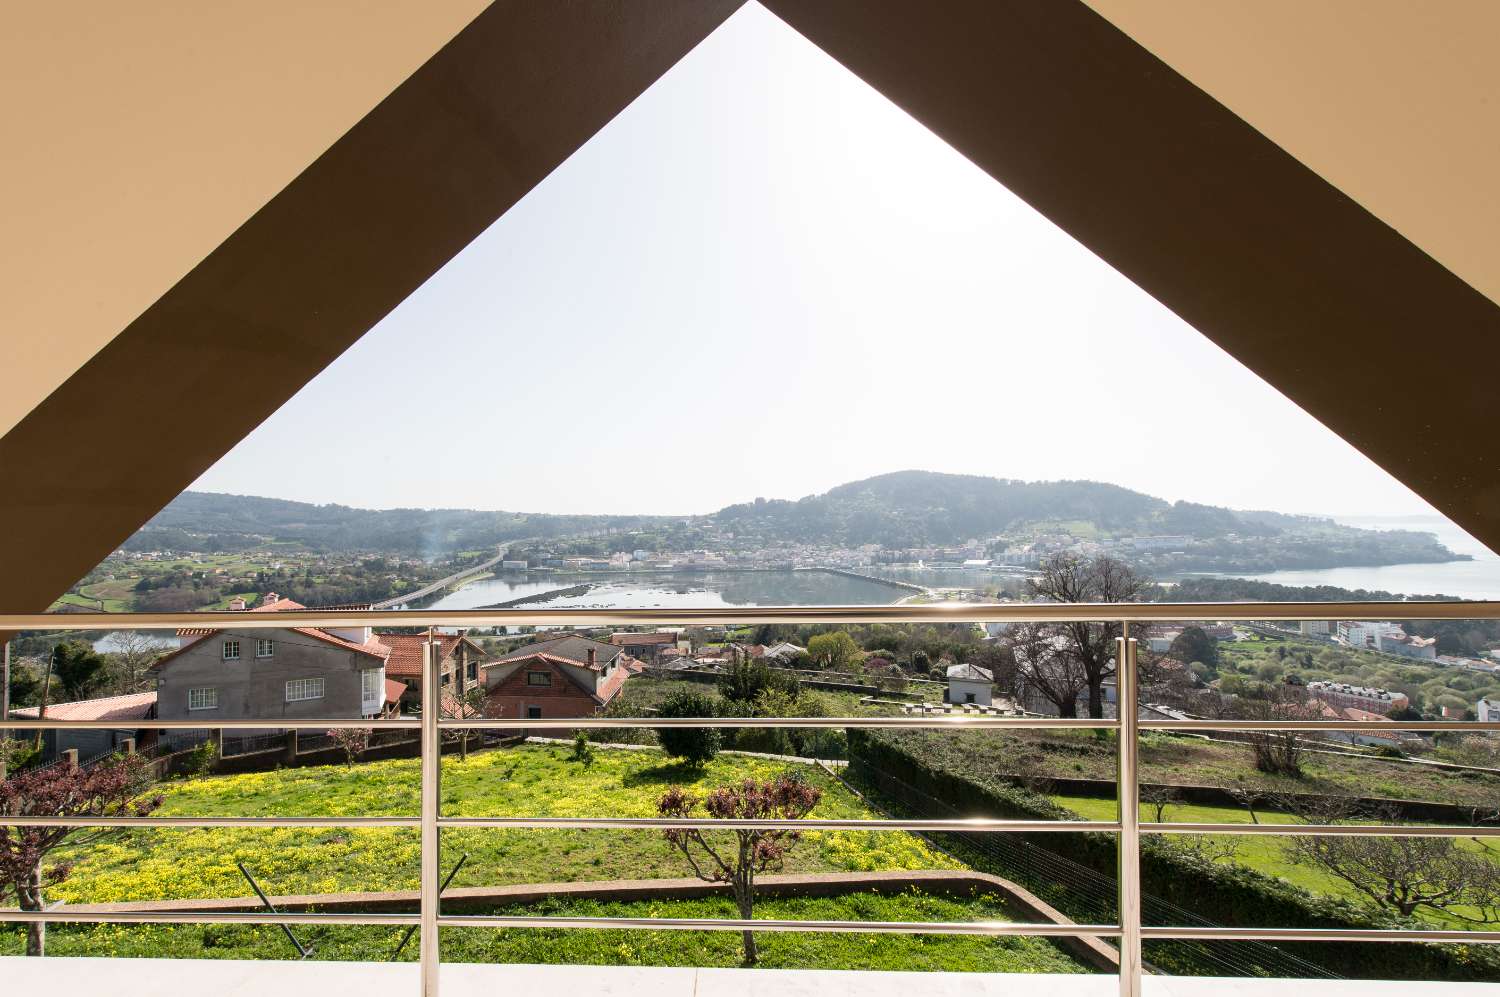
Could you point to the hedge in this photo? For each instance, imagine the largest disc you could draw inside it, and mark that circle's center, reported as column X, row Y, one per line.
column 1228, row 894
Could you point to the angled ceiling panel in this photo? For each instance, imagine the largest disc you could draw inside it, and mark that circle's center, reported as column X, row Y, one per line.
column 139, row 135
column 1303, row 285
column 444, row 155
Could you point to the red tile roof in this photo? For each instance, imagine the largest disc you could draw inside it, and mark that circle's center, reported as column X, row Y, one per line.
column 280, row 605
column 394, row 690
column 406, row 652
column 135, row 706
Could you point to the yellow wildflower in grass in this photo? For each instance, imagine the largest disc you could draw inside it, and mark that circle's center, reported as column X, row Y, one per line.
column 532, row 780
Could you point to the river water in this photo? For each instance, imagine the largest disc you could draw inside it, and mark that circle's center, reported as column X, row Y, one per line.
column 1476, row 579
column 658, row 590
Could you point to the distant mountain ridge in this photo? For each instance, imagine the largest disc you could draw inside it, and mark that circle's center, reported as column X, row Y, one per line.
column 916, row 508
column 898, row 510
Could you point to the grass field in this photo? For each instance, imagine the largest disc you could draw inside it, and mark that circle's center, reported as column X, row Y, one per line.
column 1187, row 761
column 531, row 780
column 528, row 780
column 1266, row 854
column 609, row 947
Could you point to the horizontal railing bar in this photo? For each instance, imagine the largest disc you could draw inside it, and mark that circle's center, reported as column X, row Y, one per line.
column 7, row 820
column 66, row 916
column 960, row 721
column 955, row 612
column 1331, row 830
column 1047, row 929
column 1315, row 725
column 805, row 824
column 1214, row 933
column 248, row 723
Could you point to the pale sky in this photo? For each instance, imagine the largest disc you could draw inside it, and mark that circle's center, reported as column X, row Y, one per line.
column 764, row 279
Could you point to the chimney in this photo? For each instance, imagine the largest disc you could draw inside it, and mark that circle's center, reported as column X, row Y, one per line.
column 593, row 658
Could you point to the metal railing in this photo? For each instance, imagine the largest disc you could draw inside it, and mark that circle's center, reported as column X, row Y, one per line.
column 1128, row 933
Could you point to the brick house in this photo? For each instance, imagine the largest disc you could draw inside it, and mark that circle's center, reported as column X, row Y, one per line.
column 567, row 676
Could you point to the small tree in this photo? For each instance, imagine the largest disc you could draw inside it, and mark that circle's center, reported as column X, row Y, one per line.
column 736, row 861
column 352, row 741
column 583, row 751
column 1158, row 798
column 1194, row 644
column 109, row 789
column 835, row 652
column 695, row 745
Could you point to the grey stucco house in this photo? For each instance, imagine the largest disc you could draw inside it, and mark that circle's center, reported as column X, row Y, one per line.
column 294, row 673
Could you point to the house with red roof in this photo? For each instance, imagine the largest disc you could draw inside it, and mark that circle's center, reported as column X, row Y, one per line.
column 645, row 646
column 294, row 673
column 133, row 711
column 462, row 660
column 565, row 676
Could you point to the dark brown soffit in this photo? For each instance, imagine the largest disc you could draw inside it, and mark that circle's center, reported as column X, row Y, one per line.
column 1302, row 285
column 443, row 156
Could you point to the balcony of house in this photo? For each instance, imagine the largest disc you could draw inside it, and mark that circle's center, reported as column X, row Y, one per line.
column 1107, row 877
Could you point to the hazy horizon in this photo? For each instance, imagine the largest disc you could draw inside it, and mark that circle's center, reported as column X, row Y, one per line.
column 764, row 279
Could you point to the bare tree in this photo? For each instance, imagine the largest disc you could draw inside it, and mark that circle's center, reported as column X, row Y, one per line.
column 784, row 798
column 134, row 652
column 1158, row 798
column 1407, row 874
column 1045, row 662
column 1276, row 752
column 1248, row 797
column 1068, row 578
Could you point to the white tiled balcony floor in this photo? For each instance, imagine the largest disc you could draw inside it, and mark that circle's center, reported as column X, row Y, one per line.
column 74, row 977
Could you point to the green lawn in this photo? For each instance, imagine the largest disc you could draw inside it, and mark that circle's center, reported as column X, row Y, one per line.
column 1003, row 756
column 622, row 947
column 1263, row 853
column 530, row 780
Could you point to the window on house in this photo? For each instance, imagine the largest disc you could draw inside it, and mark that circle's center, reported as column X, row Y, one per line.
column 231, row 650
column 298, row 690
column 369, row 683
column 538, row 678
column 473, row 671
column 968, row 697
column 533, row 713
column 203, row 699
column 264, row 648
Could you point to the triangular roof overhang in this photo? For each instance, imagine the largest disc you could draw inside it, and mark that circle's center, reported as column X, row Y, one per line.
column 1281, row 269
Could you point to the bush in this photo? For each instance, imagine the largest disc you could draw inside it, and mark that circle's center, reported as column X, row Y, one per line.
column 694, row 745
column 583, row 751
column 747, row 680
column 200, row 760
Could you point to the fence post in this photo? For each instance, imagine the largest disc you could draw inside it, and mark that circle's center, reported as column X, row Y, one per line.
column 127, row 746
column 69, row 758
column 291, row 746
column 432, row 755
column 1128, row 790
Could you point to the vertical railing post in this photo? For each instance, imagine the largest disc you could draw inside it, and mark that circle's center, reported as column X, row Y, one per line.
column 432, row 755
column 1129, row 791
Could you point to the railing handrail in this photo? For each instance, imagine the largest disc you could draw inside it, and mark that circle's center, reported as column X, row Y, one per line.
column 1128, row 828
column 945, row 612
